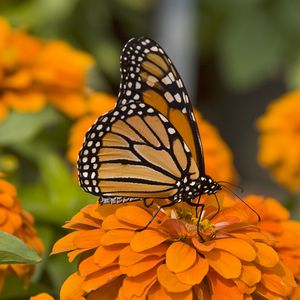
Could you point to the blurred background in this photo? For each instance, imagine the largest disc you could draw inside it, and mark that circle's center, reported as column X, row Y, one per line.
column 234, row 57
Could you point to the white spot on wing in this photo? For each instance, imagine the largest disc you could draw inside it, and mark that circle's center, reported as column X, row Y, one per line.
column 169, row 97
column 151, row 80
column 186, row 148
column 171, row 130
column 178, row 98
column 166, row 80
column 171, row 75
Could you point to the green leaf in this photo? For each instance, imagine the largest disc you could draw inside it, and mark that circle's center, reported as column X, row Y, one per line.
column 293, row 73
column 20, row 127
column 56, row 197
column 58, row 269
column 14, row 289
column 15, row 251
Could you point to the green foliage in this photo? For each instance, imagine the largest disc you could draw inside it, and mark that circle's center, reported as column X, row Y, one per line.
column 22, row 127
column 252, row 40
column 55, row 197
column 15, row 251
column 250, row 49
column 14, row 289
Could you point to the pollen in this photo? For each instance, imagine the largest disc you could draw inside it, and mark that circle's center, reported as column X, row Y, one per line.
column 208, row 229
column 184, row 214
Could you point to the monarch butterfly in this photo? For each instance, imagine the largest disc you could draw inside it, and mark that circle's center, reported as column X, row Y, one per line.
column 149, row 145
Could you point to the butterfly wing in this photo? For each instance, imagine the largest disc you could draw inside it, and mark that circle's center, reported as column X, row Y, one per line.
column 132, row 153
column 148, row 75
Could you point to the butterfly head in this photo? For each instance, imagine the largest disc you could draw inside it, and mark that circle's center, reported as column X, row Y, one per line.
column 190, row 189
column 209, row 186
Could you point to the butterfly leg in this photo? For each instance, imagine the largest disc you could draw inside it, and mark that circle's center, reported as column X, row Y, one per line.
column 155, row 214
column 198, row 215
column 218, row 208
column 198, row 221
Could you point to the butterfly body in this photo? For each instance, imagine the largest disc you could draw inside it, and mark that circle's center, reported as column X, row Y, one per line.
column 148, row 146
column 191, row 189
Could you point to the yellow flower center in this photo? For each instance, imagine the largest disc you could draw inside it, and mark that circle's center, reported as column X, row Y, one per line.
column 185, row 214
column 206, row 228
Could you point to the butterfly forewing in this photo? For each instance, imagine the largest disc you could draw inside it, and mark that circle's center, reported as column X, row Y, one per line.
column 133, row 153
column 148, row 75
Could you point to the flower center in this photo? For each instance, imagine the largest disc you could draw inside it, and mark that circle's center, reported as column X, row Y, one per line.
column 208, row 229
column 185, row 214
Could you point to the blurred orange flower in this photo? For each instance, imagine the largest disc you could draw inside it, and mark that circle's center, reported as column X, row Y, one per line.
column 218, row 156
column 42, row 296
column 279, row 136
column 286, row 233
column 168, row 260
column 16, row 221
column 96, row 105
column 33, row 72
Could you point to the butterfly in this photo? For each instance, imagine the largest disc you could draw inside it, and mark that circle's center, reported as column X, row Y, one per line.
column 149, row 145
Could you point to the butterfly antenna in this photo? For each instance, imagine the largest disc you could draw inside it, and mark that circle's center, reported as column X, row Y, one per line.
column 234, row 185
column 237, row 196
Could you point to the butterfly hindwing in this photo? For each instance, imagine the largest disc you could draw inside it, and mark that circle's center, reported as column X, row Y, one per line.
column 148, row 75
column 133, row 153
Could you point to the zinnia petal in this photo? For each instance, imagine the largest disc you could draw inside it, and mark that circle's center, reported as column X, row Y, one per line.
column 133, row 215
column 105, row 255
column 71, row 288
column 42, row 296
column 278, row 280
column 114, row 237
column 73, row 254
column 203, row 247
column 88, row 239
column 222, row 288
column 136, row 286
column 238, row 247
column 224, row 263
column 195, row 273
column 147, row 239
column 170, row 281
column 157, row 292
column 243, row 287
column 142, row 266
column 129, row 257
column 88, row 266
column 100, row 278
column 251, row 275
column 180, row 257
column 112, row 222
column 266, row 255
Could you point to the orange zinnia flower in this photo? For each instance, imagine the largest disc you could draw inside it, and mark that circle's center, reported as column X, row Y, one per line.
column 279, row 136
column 34, row 72
column 16, row 221
column 168, row 260
column 42, row 296
column 286, row 233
